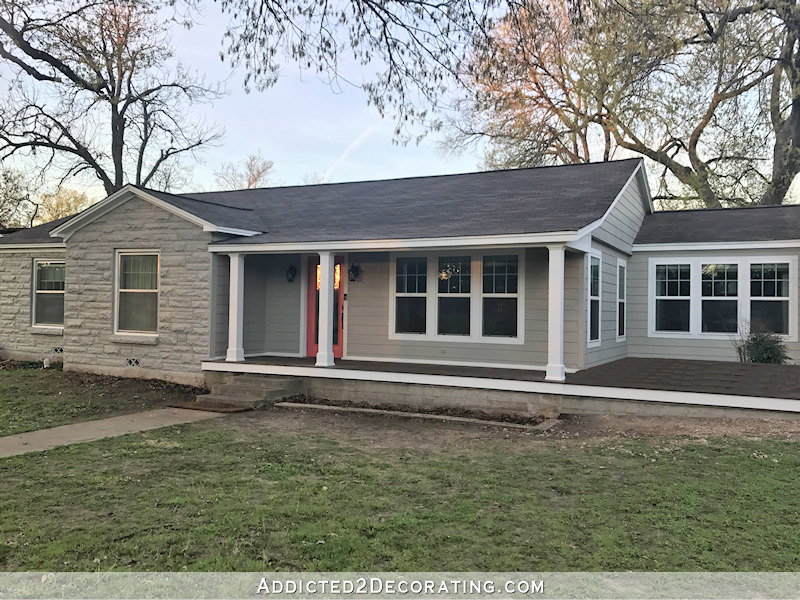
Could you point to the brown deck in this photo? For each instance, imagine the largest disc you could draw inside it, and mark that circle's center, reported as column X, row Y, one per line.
column 702, row 376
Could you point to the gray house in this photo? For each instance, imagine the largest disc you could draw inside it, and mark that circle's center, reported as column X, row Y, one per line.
column 461, row 285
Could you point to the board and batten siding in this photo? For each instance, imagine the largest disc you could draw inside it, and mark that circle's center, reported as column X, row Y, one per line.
column 368, row 306
column 697, row 348
column 621, row 225
column 19, row 340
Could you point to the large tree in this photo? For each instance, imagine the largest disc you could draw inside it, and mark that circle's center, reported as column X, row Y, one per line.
column 253, row 172
column 89, row 91
column 16, row 206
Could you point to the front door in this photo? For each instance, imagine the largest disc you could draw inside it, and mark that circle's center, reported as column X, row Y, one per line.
column 313, row 306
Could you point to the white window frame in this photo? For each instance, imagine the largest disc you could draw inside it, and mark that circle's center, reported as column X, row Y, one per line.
column 622, row 264
column 117, row 270
column 590, row 343
column 34, row 292
column 410, row 295
column 771, row 298
column 695, row 263
column 476, row 297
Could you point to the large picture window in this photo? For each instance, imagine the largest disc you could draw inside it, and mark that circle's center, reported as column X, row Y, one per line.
column 500, row 288
column 411, row 295
column 137, row 292
column 769, row 297
column 673, row 291
column 48, row 297
column 454, row 283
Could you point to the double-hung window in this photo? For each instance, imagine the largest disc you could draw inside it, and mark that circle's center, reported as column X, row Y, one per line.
column 595, row 289
column 48, row 296
column 769, row 297
column 673, row 297
column 411, row 295
column 622, row 292
column 719, row 288
column 454, row 283
column 500, row 291
column 137, row 292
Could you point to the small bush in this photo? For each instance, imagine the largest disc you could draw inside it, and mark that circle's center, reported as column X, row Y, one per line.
column 761, row 346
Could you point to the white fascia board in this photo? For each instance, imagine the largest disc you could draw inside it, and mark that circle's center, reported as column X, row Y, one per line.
column 31, row 247
column 128, row 192
column 681, row 246
column 567, row 389
column 516, row 239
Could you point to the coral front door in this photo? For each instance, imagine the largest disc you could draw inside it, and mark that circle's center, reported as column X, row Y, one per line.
column 312, row 344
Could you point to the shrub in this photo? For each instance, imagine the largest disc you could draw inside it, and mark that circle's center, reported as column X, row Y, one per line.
column 761, row 346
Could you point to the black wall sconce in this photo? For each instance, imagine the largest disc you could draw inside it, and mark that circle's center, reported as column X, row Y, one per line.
column 291, row 273
column 354, row 272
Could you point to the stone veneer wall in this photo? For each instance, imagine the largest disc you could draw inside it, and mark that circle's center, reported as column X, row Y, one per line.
column 184, row 306
column 18, row 339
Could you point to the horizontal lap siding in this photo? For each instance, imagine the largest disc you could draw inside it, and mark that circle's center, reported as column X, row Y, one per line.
column 369, row 303
column 221, row 278
column 609, row 348
column 622, row 224
column 283, row 305
column 16, row 289
column 690, row 348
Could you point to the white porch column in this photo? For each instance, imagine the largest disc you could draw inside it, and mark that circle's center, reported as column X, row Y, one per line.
column 325, row 316
column 236, row 309
column 555, row 314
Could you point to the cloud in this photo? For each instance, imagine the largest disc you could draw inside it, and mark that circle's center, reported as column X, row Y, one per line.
column 354, row 145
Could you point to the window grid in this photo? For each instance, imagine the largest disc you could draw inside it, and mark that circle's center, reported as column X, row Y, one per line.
column 454, row 275
column 412, row 276
column 769, row 288
column 500, row 275
column 720, row 280
column 673, row 283
column 595, row 285
column 500, row 306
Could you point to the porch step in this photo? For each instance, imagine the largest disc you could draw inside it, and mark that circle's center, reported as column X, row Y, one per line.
column 252, row 391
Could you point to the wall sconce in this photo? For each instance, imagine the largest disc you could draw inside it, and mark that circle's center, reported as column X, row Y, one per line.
column 291, row 273
column 354, row 272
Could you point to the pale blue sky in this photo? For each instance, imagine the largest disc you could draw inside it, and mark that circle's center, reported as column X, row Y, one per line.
column 302, row 124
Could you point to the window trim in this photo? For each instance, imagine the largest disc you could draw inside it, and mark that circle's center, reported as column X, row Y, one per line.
column 410, row 295
column 590, row 343
column 34, row 292
column 118, row 254
column 475, row 296
column 743, row 298
column 622, row 263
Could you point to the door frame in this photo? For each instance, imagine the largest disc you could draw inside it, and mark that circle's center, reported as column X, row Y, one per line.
column 312, row 262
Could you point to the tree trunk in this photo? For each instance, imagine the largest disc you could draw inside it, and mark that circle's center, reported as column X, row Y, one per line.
column 785, row 157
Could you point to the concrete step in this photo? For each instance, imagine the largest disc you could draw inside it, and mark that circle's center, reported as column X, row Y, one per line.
column 240, row 390
column 232, row 400
column 292, row 384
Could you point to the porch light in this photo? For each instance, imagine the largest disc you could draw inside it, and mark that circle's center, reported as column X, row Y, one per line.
column 354, row 271
column 291, row 273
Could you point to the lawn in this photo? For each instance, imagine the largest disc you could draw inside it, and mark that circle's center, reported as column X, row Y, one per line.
column 290, row 489
column 35, row 398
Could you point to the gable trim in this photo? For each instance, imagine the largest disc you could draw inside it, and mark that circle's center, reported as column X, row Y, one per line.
column 31, row 247
column 694, row 246
column 127, row 193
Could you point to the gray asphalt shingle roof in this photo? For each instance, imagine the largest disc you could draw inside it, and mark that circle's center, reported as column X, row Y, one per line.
column 751, row 224
column 34, row 235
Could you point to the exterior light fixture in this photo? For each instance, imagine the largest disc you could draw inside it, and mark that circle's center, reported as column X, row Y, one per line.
column 291, row 273
column 354, row 271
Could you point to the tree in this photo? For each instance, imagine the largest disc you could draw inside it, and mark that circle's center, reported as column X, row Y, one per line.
column 16, row 206
column 64, row 202
column 629, row 77
column 252, row 173
column 90, row 92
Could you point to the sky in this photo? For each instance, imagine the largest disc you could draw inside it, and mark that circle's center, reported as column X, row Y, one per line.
column 300, row 123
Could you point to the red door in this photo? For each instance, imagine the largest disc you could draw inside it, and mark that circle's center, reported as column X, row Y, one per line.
column 313, row 306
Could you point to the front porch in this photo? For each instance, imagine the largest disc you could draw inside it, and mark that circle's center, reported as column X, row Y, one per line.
column 635, row 380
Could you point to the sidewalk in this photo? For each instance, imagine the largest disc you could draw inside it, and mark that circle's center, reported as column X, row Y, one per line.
column 89, row 431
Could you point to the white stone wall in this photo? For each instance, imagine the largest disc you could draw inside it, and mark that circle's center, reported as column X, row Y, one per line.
column 184, row 302
column 18, row 340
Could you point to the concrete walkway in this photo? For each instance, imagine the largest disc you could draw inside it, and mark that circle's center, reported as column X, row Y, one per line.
column 89, row 431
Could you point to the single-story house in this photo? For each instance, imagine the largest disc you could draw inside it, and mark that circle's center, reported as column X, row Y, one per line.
column 511, row 280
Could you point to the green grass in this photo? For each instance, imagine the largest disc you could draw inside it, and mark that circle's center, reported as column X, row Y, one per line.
column 274, row 490
column 33, row 398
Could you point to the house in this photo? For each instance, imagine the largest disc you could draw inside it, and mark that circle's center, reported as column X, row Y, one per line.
column 451, row 287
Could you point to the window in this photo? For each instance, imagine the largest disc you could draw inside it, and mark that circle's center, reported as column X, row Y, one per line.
column 48, row 297
column 673, row 291
column 500, row 286
column 595, row 287
column 622, row 270
column 769, row 293
column 411, row 297
column 719, row 288
column 137, row 298
column 454, row 282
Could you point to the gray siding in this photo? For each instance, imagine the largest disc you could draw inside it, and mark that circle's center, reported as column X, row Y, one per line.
column 184, row 299
column 624, row 219
column 690, row 348
column 18, row 340
column 369, row 303
column 220, row 277
column 609, row 348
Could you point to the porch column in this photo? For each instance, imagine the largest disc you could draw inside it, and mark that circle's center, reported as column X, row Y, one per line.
column 236, row 309
column 325, row 316
column 555, row 314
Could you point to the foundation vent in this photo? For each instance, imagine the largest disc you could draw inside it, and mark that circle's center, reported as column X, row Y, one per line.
column 132, row 362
